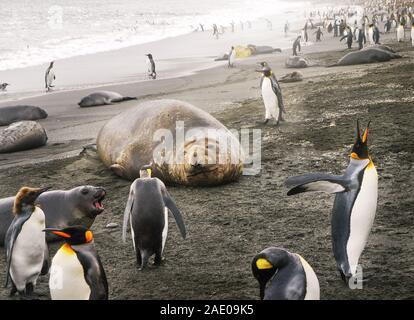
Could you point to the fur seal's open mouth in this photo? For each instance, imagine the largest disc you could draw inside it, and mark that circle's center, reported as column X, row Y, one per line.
column 97, row 203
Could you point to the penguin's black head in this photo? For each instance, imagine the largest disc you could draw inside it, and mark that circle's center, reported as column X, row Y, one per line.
column 263, row 64
column 266, row 264
column 266, row 71
column 73, row 235
column 149, row 55
column 360, row 148
column 26, row 197
column 145, row 171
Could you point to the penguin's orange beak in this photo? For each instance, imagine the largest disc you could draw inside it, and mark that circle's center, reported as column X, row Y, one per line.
column 57, row 232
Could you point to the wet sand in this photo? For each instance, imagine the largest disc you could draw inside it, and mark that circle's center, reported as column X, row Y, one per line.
column 228, row 225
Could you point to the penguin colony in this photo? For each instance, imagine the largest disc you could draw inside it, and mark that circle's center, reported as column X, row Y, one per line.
column 76, row 271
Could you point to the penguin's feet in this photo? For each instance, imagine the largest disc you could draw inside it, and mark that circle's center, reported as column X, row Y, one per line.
column 265, row 121
column 13, row 291
column 158, row 261
column 29, row 289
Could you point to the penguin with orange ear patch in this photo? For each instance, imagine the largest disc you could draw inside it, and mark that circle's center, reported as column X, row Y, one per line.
column 26, row 249
column 354, row 207
column 77, row 272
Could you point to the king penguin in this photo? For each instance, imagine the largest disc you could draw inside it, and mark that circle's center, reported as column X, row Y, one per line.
column 283, row 275
column 400, row 32
column 77, row 272
column 271, row 94
column 49, row 77
column 412, row 35
column 354, row 207
column 232, row 57
column 152, row 74
column 147, row 209
column 26, row 248
column 371, row 34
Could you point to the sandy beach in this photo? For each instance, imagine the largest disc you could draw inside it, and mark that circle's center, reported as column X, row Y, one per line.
column 228, row 225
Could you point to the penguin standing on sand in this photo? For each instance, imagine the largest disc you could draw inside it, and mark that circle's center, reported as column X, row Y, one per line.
column 412, row 35
column 3, row 86
column 26, row 248
column 400, row 33
column 77, row 272
column 354, row 207
column 49, row 77
column 271, row 94
column 284, row 276
column 148, row 205
column 371, row 34
column 232, row 57
column 152, row 74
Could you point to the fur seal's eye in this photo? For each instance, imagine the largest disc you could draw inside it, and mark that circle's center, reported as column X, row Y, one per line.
column 85, row 191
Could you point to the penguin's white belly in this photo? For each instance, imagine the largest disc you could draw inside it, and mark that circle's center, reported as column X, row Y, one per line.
column 400, row 33
column 371, row 36
column 232, row 57
column 269, row 99
column 362, row 216
column 165, row 230
column 28, row 251
column 312, row 282
column 67, row 279
column 149, row 66
column 50, row 77
column 412, row 36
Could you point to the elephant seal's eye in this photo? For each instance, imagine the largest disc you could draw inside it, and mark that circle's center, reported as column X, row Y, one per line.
column 85, row 191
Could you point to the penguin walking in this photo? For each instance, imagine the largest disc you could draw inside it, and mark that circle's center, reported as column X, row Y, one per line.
column 232, row 57
column 283, row 275
column 271, row 94
column 152, row 74
column 26, row 248
column 49, row 77
column 147, row 208
column 3, row 86
column 354, row 207
column 76, row 272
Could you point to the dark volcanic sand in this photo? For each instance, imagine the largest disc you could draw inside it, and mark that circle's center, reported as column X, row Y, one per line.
column 228, row 225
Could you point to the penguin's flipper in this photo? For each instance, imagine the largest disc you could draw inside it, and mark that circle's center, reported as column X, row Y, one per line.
column 10, row 239
column 170, row 204
column 94, row 272
column 317, row 182
column 46, row 262
column 127, row 213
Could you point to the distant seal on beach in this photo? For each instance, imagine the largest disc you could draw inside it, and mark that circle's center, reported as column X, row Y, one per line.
column 12, row 114
column 78, row 206
column 292, row 77
column 22, row 135
column 133, row 139
column 296, row 62
column 100, row 98
column 256, row 50
column 368, row 55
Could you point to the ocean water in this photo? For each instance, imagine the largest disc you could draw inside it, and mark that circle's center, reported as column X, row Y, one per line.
column 33, row 32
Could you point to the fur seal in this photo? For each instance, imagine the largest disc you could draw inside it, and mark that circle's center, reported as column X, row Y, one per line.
column 101, row 98
column 296, row 62
column 12, row 114
column 368, row 55
column 22, row 135
column 134, row 138
column 292, row 77
column 79, row 205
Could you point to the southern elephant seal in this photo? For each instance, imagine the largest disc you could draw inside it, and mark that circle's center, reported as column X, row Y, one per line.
column 292, row 77
column 22, row 135
column 206, row 152
column 296, row 62
column 369, row 55
column 78, row 206
column 12, row 114
column 100, row 98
